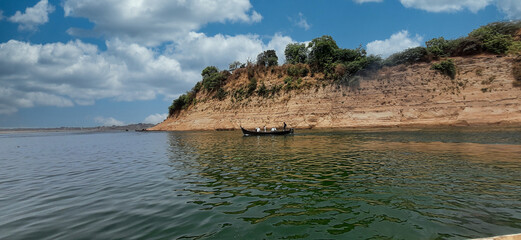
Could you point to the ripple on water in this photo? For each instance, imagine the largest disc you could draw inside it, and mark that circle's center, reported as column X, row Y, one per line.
column 418, row 184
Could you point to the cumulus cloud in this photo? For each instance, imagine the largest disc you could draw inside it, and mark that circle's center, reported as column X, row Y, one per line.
column 78, row 73
column 155, row 118
column 365, row 1
column 197, row 50
column 110, row 121
column 65, row 74
column 512, row 8
column 33, row 16
column 396, row 43
column 447, row 5
column 156, row 21
column 301, row 22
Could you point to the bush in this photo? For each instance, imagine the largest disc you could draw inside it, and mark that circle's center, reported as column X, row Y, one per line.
column 262, row 91
column 438, row 47
column 299, row 70
column 465, row 47
column 197, row 87
column 252, row 86
column 446, row 67
column 411, row 55
column 515, row 48
column 239, row 94
column 498, row 44
column 221, row 94
column 182, row 102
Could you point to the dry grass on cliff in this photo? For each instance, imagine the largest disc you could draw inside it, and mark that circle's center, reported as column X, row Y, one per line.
column 516, row 71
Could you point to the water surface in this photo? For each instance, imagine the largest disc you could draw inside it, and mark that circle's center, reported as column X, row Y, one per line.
column 343, row 184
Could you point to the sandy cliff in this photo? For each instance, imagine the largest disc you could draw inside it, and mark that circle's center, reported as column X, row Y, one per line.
column 481, row 93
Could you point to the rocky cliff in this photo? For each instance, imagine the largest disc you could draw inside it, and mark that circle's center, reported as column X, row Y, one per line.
column 481, row 93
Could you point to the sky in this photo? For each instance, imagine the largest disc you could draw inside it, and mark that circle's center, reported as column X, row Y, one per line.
column 84, row 63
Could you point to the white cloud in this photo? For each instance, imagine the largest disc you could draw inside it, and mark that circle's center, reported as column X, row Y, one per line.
column 155, row 21
column 512, row 8
column 301, row 22
column 197, row 50
column 446, row 5
column 110, row 121
column 77, row 73
column 396, row 43
column 1, row 15
column 33, row 16
column 58, row 74
column 155, row 118
column 365, row 1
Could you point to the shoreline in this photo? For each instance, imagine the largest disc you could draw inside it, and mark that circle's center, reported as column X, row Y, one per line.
column 407, row 126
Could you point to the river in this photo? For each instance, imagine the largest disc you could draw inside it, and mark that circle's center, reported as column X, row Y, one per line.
column 446, row 183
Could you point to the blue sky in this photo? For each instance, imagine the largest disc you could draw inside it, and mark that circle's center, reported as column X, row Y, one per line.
column 89, row 62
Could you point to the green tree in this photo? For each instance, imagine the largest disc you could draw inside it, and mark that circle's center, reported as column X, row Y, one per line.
column 212, row 78
column 296, row 53
column 348, row 55
column 267, row 58
column 322, row 52
column 234, row 65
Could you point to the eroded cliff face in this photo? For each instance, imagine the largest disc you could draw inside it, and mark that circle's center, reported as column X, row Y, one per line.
column 481, row 93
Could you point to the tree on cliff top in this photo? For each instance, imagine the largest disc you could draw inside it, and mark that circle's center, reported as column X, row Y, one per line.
column 268, row 58
column 212, row 78
column 322, row 52
column 296, row 53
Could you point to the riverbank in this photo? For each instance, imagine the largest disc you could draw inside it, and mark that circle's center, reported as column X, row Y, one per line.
column 481, row 94
column 131, row 127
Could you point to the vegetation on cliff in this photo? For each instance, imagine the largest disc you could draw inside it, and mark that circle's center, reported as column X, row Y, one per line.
column 325, row 62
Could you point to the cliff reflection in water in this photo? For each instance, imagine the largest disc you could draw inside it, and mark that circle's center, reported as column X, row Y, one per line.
column 321, row 184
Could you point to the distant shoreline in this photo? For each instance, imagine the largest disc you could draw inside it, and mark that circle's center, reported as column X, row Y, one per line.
column 131, row 127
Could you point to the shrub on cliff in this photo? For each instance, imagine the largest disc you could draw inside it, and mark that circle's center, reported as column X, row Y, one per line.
column 446, row 67
column 212, row 78
column 182, row 102
column 411, row 55
column 299, row 70
column 220, row 94
column 438, row 47
column 262, row 91
column 252, row 85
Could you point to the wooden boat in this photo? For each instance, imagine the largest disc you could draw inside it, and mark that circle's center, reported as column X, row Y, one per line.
column 267, row 133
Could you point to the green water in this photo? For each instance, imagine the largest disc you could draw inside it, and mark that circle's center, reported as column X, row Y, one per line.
column 342, row 184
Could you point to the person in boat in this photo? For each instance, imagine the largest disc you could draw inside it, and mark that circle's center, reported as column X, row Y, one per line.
column 258, row 129
column 284, row 126
column 264, row 128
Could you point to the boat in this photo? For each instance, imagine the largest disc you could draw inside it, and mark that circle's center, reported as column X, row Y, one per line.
column 267, row 133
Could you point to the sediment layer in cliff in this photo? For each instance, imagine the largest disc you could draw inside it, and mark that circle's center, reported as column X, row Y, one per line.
column 481, row 93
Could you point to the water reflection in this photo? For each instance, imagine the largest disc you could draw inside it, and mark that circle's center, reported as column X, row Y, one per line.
column 356, row 184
